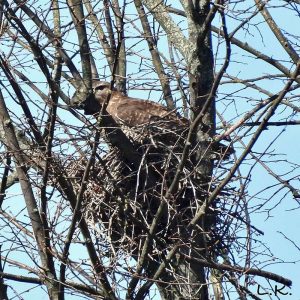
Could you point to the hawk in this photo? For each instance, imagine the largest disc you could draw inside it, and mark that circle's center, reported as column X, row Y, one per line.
column 140, row 119
column 132, row 111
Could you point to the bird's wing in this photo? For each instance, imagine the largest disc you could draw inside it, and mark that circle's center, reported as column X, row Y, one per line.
column 134, row 112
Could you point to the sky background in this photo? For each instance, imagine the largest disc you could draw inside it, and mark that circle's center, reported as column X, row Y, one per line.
column 284, row 218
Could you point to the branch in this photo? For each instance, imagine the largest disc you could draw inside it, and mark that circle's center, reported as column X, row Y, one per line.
column 247, row 116
column 48, row 32
column 5, row 178
column 201, row 212
column 67, row 189
column 277, row 32
column 76, row 11
column 3, row 287
column 33, row 212
column 22, row 101
column 160, row 13
column 285, row 123
column 194, row 126
column 245, row 46
column 240, row 270
column 77, row 211
column 109, row 54
column 120, row 73
column 68, row 284
column 163, row 78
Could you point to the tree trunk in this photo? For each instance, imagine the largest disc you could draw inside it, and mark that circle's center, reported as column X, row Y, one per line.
column 201, row 76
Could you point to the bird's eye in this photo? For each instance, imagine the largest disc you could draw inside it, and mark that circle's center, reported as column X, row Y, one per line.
column 100, row 87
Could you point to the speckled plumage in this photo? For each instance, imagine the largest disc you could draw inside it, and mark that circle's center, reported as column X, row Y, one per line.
column 132, row 111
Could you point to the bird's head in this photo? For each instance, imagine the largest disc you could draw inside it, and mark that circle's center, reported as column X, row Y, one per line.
column 101, row 91
column 91, row 102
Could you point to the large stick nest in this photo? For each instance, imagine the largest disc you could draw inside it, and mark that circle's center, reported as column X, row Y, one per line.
column 120, row 198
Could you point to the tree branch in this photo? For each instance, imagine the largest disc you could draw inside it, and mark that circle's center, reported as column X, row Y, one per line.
column 160, row 13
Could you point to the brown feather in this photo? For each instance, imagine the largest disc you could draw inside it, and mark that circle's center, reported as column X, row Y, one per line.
column 132, row 111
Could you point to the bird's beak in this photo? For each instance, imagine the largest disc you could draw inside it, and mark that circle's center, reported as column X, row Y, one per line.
column 84, row 101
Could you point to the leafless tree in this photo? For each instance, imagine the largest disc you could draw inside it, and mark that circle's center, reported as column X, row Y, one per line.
column 103, row 207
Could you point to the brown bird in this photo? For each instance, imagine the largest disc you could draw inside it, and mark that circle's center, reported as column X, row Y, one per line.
column 140, row 119
column 132, row 111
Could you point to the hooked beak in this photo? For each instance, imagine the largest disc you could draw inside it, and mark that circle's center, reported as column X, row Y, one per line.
column 86, row 102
